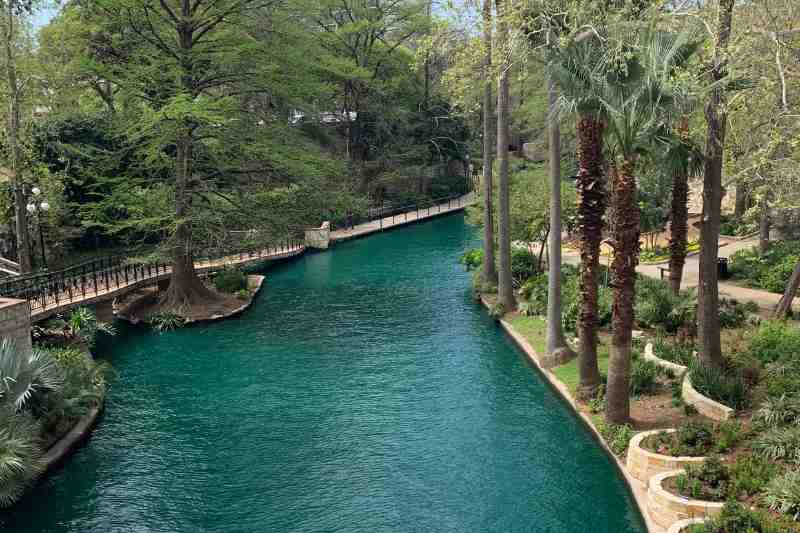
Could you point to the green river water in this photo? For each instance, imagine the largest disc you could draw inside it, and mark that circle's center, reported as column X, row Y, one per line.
column 365, row 391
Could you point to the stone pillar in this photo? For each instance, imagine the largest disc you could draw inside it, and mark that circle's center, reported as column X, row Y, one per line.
column 15, row 322
column 319, row 237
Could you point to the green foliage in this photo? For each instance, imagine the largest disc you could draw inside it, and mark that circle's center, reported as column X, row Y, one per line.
column 707, row 481
column 775, row 341
column 165, row 321
column 749, row 475
column 26, row 378
column 777, row 411
column 472, row 259
column 722, row 386
column 736, row 228
column 675, row 351
column 20, row 454
column 242, row 294
column 618, row 437
column 82, row 324
column 644, row 377
column 780, row 444
column 657, row 306
column 769, row 271
column 524, row 264
column 692, row 439
column 783, row 494
column 736, row 518
column 497, row 311
column 230, row 280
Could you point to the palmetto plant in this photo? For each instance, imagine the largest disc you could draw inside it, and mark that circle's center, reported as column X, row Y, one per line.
column 20, row 454
column 24, row 377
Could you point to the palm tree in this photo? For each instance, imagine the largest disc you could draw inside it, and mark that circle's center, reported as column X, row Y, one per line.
column 505, row 289
column 558, row 350
column 489, row 269
column 576, row 69
column 25, row 377
column 20, row 454
column 637, row 99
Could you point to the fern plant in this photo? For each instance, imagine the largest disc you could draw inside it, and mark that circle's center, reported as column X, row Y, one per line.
column 24, row 378
column 166, row 321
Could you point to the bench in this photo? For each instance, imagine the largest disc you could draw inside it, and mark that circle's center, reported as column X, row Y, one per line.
column 661, row 270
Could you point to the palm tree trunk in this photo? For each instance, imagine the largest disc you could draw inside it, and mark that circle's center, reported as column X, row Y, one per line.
column 558, row 351
column 15, row 159
column 784, row 307
column 489, row 268
column 505, row 289
column 679, row 219
column 626, row 257
column 710, row 352
column 591, row 208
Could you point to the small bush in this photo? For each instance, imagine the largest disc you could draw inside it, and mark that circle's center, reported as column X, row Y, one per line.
column 783, row 494
column 617, row 437
column 775, row 341
column 472, row 259
column 644, row 377
column 728, row 435
column 707, row 481
column 781, row 444
column 524, row 264
column 779, row 411
column 497, row 311
column 736, row 518
column 165, row 321
column 749, row 475
column 732, row 314
column 728, row 389
column 681, row 353
column 242, row 294
column 693, row 438
column 657, row 306
column 230, row 281
column 769, row 271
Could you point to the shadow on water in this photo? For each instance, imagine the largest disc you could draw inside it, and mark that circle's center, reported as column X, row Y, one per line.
column 365, row 391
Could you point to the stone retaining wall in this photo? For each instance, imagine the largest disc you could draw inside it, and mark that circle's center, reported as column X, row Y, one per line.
column 666, row 508
column 15, row 322
column 704, row 405
column 644, row 464
column 683, row 525
column 650, row 355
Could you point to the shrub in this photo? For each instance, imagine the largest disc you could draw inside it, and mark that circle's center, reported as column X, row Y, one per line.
column 769, row 271
column 694, row 438
column 497, row 311
column 26, row 378
column 736, row 518
column 779, row 411
column 20, row 454
column 657, row 306
column 749, row 475
column 681, row 353
column 242, row 294
column 707, row 481
column 617, row 437
column 472, row 259
column 230, row 280
column 728, row 435
column 165, row 321
column 775, row 341
column 534, row 290
column 783, row 494
column 644, row 377
column 728, row 389
column 781, row 444
column 732, row 314
column 524, row 264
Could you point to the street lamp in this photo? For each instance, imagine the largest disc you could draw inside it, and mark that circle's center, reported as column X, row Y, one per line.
column 37, row 209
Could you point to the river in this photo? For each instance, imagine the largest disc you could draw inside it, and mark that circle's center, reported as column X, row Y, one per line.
column 365, row 391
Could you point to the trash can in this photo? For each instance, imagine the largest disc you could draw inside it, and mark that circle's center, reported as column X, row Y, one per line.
column 722, row 268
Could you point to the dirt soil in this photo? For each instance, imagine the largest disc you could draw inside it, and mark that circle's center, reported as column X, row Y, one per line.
column 138, row 305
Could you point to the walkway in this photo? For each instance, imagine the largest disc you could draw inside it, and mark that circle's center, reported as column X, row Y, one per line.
column 104, row 280
column 402, row 219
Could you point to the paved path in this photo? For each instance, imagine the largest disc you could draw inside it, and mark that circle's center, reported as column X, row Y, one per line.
column 360, row 230
column 691, row 274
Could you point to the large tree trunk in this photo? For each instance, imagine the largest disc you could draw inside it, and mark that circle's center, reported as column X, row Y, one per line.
column 740, row 207
column 710, row 352
column 489, row 268
column 185, row 288
column 558, row 350
column 15, row 156
column 505, row 288
column 784, row 307
column 679, row 218
column 591, row 208
column 626, row 257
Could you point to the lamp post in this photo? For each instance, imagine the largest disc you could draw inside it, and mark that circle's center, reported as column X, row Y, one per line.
column 37, row 208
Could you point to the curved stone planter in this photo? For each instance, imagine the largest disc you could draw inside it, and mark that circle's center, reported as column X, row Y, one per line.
column 704, row 405
column 649, row 355
column 683, row 525
column 666, row 508
column 67, row 444
column 644, row 464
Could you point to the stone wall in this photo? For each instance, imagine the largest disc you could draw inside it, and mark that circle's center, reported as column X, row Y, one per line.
column 15, row 322
column 319, row 237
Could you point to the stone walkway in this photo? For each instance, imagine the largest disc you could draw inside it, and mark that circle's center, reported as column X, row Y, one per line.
column 375, row 226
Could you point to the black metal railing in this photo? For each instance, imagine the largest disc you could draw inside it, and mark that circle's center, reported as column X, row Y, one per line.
column 101, row 276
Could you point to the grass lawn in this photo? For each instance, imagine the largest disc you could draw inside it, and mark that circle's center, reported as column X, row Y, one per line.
column 533, row 328
column 568, row 373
